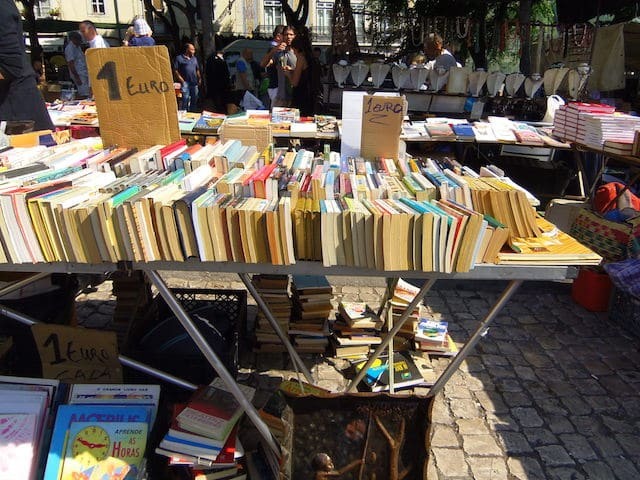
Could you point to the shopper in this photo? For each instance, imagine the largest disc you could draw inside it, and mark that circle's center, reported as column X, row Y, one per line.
column 218, row 81
column 285, row 59
column 77, row 64
column 245, row 79
column 437, row 55
column 141, row 34
column 90, row 34
column 187, row 72
column 271, row 60
column 300, row 77
column 20, row 98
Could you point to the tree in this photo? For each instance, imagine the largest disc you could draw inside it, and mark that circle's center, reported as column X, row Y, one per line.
column 524, row 16
column 296, row 18
column 169, row 17
column 343, row 36
column 206, row 14
column 28, row 7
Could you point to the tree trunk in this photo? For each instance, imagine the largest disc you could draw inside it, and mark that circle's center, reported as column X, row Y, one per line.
column 296, row 18
column 30, row 23
column 479, row 52
column 344, row 41
column 171, row 26
column 206, row 14
column 524, row 16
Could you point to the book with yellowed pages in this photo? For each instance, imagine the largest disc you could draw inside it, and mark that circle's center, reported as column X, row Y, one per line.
column 553, row 247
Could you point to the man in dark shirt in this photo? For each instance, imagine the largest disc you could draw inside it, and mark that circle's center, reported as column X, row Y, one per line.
column 19, row 95
column 218, row 81
column 187, row 72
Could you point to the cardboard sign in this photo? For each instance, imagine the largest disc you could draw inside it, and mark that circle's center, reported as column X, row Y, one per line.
column 381, row 126
column 77, row 355
column 134, row 93
column 258, row 136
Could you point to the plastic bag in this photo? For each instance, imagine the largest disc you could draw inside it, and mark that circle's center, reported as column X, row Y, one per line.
column 251, row 102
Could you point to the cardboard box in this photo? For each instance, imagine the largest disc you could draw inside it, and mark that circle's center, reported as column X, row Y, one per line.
column 260, row 136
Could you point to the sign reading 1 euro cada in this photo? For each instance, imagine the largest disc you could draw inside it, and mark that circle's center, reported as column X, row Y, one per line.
column 135, row 99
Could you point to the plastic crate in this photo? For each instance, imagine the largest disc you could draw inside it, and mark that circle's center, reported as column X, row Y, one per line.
column 625, row 311
column 159, row 340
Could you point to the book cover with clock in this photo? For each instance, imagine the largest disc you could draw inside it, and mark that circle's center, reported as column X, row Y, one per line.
column 92, row 446
column 101, row 415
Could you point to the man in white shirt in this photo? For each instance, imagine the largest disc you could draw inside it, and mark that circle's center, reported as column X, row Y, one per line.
column 90, row 34
column 77, row 64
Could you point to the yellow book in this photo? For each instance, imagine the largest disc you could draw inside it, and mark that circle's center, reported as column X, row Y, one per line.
column 299, row 228
column 273, row 233
column 85, row 229
column 40, row 230
column 233, row 226
column 553, row 247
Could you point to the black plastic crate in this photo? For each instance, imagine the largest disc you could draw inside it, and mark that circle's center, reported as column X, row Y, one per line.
column 160, row 341
column 625, row 311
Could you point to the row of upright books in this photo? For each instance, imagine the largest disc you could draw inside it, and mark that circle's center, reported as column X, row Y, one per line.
column 82, row 203
column 56, row 431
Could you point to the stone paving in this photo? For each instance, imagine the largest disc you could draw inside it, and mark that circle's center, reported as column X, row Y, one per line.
column 552, row 391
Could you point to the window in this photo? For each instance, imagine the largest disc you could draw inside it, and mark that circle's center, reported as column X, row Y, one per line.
column 358, row 18
column 324, row 12
column 97, row 7
column 272, row 15
column 41, row 8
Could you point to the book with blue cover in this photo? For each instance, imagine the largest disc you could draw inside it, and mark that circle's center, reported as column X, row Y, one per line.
column 96, row 414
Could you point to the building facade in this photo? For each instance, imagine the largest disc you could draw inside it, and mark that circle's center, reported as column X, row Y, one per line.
column 248, row 18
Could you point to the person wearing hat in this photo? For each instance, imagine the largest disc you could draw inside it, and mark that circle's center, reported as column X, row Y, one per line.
column 142, row 34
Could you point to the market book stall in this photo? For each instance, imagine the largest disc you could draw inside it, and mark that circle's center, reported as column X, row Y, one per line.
column 86, row 209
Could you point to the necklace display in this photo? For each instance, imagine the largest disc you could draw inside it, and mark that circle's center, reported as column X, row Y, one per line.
column 532, row 84
column 465, row 22
column 495, row 80
column 513, row 83
column 477, row 81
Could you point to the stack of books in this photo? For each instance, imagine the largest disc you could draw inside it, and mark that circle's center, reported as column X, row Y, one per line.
column 274, row 290
column 309, row 326
column 103, row 430
column 431, row 336
column 203, row 432
column 26, row 409
column 209, row 123
column 355, row 330
column 403, row 294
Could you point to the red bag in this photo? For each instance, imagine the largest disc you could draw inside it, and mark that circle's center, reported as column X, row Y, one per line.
column 606, row 197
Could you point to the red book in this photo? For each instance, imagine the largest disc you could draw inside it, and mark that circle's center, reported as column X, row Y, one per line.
column 168, row 150
column 261, row 178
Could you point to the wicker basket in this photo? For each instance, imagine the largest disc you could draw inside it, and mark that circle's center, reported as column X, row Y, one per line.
column 614, row 241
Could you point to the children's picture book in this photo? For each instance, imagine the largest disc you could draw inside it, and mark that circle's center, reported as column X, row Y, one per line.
column 99, row 415
column 95, row 445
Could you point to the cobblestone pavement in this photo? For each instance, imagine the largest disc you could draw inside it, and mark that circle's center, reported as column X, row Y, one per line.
column 552, row 391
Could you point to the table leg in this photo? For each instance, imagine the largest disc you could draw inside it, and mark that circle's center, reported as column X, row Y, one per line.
column 389, row 338
column 276, row 326
column 388, row 295
column 213, row 359
column 475, row 337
